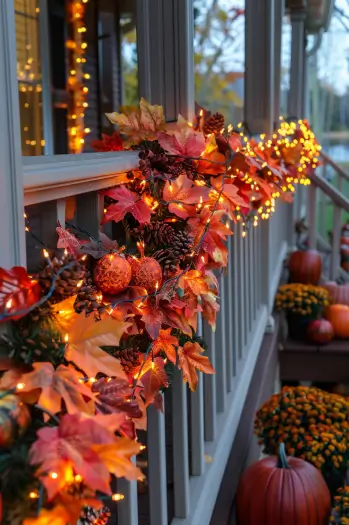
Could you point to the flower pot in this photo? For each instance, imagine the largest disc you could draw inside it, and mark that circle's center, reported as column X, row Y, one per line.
column 297, row 326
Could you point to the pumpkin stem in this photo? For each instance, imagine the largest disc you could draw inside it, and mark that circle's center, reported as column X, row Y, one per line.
column 282, row 459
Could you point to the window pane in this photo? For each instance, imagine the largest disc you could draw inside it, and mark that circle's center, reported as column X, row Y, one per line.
column 87, row 67
column 220, row 56
column 29, row 76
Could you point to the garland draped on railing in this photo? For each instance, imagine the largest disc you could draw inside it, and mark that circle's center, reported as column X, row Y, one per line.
column 95, row 334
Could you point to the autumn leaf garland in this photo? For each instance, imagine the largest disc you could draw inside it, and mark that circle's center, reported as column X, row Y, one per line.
column 110, row 355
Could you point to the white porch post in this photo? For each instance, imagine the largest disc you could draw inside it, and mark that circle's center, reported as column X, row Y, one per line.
column 262, row 61
column 12, row 239
column 296, row 101
column 278, row 21
column 166, row 55
column 297, row 94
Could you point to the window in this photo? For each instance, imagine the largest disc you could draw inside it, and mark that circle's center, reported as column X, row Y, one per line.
column 84, row 66
column 220, row 56
column 29, row 76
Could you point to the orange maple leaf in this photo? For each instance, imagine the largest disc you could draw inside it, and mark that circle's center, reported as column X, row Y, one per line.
column 62, row 383
column 117, row 457
column 209, row 233
column 58, row 515
column 190, row 360
column 166, row 343
column 228, row 195
column 153, row 377
column 194, row 280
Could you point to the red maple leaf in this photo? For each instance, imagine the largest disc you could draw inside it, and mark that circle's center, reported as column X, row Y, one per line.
column 18, row 293
column 184, row 140
column 127, row 202
column 108, row 143
column 186, row 196
column 67, row 240
column 70, row 448
column 162, row 315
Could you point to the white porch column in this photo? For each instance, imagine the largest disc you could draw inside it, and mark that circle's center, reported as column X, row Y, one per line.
column 297, row 94
column 260, row 65
column 166, row 55
column 278, row 22
column 296, row 101
column 12, row 240
column 263, row 21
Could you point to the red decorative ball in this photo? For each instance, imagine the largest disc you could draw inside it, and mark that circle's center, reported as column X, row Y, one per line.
column 112, row 274
column 320, row 331
column 147, row 273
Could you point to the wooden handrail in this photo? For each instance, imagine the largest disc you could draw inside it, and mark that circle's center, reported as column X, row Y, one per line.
column 336, row 196
column 340, row 171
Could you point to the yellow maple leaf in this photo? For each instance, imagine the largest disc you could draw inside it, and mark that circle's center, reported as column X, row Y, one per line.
column 142, row 124
column 84, row 336
column 84, row 340
column 117, row 457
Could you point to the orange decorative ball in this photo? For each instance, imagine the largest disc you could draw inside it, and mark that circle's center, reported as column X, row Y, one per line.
column 112, row 274
column 147, row 273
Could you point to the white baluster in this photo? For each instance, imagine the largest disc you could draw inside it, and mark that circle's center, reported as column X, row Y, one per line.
column 156, row 446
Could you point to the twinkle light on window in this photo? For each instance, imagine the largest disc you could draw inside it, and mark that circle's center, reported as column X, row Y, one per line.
column 77, row 46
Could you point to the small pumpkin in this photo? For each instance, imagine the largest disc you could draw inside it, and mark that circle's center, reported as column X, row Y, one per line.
column 338, row 315
column 278, row 491
column 339, row 293
column 320, row 331
column 14, row 418
column 305, row 266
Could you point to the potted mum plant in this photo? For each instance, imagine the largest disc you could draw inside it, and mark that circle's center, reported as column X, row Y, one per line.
column 301, row 303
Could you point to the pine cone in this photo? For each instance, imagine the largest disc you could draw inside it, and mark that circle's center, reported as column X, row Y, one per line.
column 129, row 359
column 214, row 124
column 25, row 347
column 94, row 517
column 66, row 282
column 150, row 161
column 155, row 233
column 88, row 299
column 180, row 249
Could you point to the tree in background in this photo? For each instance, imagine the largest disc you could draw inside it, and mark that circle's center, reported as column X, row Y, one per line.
column 220, row 56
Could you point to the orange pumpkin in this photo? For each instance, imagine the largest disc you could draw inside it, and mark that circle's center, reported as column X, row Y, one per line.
column 320, row 331
column 280, row 490
column 339, row 293
column 305, row 266
column 338, row 315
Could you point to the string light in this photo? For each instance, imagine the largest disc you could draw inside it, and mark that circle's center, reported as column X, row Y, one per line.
column 76, row 81
column 117, row 497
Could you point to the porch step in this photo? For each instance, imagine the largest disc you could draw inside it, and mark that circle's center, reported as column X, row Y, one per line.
column 300, row 361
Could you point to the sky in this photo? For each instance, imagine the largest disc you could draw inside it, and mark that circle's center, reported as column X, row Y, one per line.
column 333, row 55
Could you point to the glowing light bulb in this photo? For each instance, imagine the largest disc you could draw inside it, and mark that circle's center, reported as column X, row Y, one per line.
column 9, row 302
column 20, row 386
column 117, row 497
column 54, row 475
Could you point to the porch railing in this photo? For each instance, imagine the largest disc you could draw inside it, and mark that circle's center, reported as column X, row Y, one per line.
column 187, row 447
column 327, row 204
